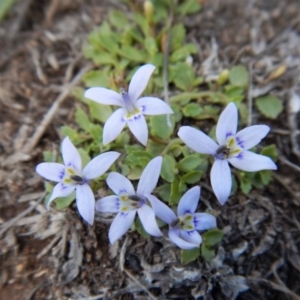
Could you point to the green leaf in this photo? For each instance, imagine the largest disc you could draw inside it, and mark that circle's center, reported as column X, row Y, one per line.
column 118, row 19
column 269, row 106
column 96, row 132
column 135, row 173
column 72, row 134
column 245, row 185
column 183, row 75
column 82, row 119
column 192, row 110
column 99, row 111
column 150, row 45
column 187, row 256
column 64, row 202
column 155, row 148
column 207, row 253
column 189, row 163
column 168, row 168
column 133, row 54
column 183, row 52
column 159, row 126
column 192, row 177
column 265, row 176
column 177, row 36
column 140, row 228
column 47, row 156
column 110, row 42
column 270, row 151
column 212, row 237
column 164, row 192
column 85, row 157
column 176, row 150
column 5, row 6
column 175, row 193
column 188, row 7
column 239, row 76
column 96, row 78
column 182, row 186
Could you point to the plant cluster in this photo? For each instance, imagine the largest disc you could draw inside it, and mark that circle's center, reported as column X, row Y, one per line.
column 121, row 44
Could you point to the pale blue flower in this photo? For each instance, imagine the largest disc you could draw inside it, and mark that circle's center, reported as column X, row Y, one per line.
column 232, row 148
column 70, row 177
column 127, row 202
column 132, row 109
column 183, row 228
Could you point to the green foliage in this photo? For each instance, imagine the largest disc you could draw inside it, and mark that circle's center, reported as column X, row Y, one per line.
column 269, row 106
column 209, row 240
column 187, row 256
column 140, row 228
column 239, row 76
column 5, row 6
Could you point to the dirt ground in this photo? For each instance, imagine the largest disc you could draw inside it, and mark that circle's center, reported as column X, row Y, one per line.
column 54, row 255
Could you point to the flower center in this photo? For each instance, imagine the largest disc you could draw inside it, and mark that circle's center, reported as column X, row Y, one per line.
column 131, row 202
column 72, row 177
column 130, row 107
column 184, row 222
column 230, row 149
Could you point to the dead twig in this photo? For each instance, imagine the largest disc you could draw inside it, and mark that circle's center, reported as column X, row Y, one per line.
column 23, row 8
column 165, row 66
column 286, row 186
column 13, row 221
column 144, row 288
column 52, row 111
column 288, row 163
column 122, row 261
column 250, row 96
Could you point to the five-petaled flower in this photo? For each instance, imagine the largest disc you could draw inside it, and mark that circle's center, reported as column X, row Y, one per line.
column 183, row 227
column 70, row 177
column 232, row 148
column 126, row 203
column 132, row 109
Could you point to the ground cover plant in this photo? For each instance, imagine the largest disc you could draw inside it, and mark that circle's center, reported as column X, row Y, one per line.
column 152, row 134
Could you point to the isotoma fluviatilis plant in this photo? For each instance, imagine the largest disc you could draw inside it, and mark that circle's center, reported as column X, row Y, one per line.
column 232, row 147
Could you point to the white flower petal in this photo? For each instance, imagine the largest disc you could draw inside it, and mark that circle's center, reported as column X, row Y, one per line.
column 51, row 171
column 139, row 129
column 192, row 237
column 85, row 201
column 161, row 210
column 174, row 237
column 147, row 218
column 60, row 190
column 197, row 140
column 113, row 126
column 252, row 162
column 139, row 81
column 220, row 178
column 153, row 106
column 108, row 204
column 251, row 136
column 189, row 201
column 104, row 96
column 204, row 221
column 119, row 184
column 99, row 165
column 120, row 225
column 150, row 175
column 70, row 154
column 227, row 124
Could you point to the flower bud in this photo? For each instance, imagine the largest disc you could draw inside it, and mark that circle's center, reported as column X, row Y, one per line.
column 148, row 10
column 294, row 103
column 223, row 77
